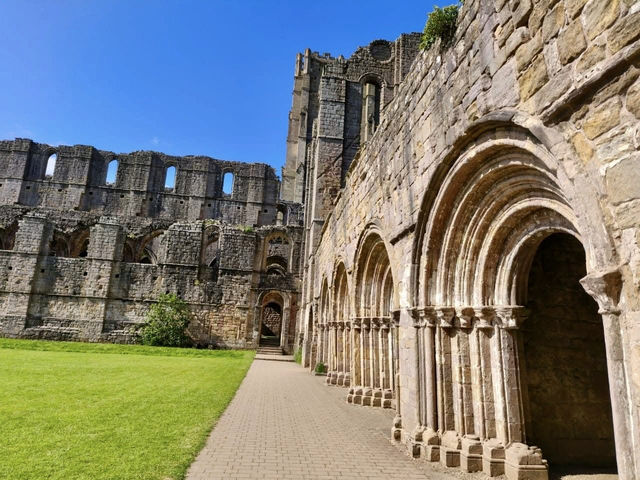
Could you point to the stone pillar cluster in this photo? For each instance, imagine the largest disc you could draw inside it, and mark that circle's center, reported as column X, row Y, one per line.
column 469, row 391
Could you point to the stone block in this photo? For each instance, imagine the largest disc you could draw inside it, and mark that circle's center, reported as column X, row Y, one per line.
column 602, row 119
column 526, row 51
column 624, row 32
column 574, row 7
column 533, row 78
column 623, row 180
column 553, row 22
column 591, row 56
column 571, row 42
column 599, row 15
column 633, row 99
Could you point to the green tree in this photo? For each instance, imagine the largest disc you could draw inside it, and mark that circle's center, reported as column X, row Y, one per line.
column 166, row 323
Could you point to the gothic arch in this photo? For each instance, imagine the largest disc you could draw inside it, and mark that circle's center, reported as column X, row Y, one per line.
column 374, row 332
column 491, row 203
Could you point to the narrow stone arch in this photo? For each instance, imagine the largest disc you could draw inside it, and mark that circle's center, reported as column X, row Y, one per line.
column 374, row 331
column 267, row 313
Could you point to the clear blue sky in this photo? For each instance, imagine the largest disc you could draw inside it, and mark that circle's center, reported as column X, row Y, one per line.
column 182, row 77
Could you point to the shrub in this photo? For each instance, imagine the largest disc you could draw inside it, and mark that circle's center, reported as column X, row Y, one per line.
column 320, row 368
column 297, row 356
column 166, row 323
column 441, row 23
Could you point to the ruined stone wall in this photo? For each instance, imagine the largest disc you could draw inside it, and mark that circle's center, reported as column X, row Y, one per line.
column 526, row 126
column 83, row 260
column 79, row 182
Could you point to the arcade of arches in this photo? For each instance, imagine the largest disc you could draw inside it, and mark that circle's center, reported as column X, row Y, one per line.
column 477, row 327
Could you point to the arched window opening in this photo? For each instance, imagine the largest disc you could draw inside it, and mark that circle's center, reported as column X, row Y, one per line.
column 51, row 165
column 58, row 247
column 276, row 261
column 276, row 271
column 147, row 257
column 112, row 172
column 215, row 269
column 84, row 249
column 227, row 183
column 370, row 110
column 170, row 179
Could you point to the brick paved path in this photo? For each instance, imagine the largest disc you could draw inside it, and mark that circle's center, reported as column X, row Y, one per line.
column 286, row 424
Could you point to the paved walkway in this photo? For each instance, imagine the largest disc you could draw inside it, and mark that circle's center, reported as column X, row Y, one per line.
column 286, row 424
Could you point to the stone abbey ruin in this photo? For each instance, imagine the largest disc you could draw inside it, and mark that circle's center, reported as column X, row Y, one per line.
column 456, row 237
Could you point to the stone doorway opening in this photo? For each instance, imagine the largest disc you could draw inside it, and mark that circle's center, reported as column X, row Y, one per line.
column 566, row 389
column 271, row 326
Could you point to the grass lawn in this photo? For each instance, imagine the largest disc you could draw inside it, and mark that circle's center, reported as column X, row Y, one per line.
column 96, row 411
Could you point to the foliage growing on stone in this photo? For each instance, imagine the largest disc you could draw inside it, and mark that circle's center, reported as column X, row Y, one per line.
column 297, row 356
column 166, row 323
column 441, row 24
column 320, row 368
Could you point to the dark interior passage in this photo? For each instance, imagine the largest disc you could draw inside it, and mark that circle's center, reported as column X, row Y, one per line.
column 271, row 324
column 569, row 410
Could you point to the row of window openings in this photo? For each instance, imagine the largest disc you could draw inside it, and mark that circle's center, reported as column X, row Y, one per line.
column 169, row 178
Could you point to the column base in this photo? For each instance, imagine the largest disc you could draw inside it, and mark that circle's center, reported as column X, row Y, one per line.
column 525, row 463
column 450, row 449
column 493, row 458
column 471, row 454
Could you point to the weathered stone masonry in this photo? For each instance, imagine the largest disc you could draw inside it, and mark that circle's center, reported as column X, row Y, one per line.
column 83, row 258
column 474, row 261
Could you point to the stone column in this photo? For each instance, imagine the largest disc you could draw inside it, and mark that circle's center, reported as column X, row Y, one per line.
column 396, row 428
column 355, row 392
column 367, row 391
column 449, row 437
column 376, row 389
column 605, row 287
column 468, row 361
column 430, row 449
column 521, row 460
column 347, row 354
column 340, row 353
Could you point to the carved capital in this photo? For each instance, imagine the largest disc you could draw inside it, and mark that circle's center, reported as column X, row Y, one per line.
column 415, row 316
column 464, row 317
column 445, row 316
column 485, row 316
column 429, row 316
column 511, row 316
column 605, row 288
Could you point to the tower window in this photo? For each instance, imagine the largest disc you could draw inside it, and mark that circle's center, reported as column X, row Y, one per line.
column 170, row 179
column 112, row 172
column 51, row 165
column 227, row 183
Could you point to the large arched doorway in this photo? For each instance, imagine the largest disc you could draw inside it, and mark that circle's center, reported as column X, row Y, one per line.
column 271, row 327
column 568, row 409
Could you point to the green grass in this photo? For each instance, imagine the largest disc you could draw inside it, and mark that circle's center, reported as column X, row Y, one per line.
column 97, row 411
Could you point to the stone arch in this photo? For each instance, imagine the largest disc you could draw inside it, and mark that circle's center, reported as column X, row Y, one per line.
column 59, row 245
column 339, row 327
column 276, row 251
column 144, row 249
column 505, row 151
column 267, row 303
column 491, row 203
column 373, row 337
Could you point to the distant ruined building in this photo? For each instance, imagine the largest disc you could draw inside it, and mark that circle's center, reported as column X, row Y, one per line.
column 456, row 237
column 82, row 257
